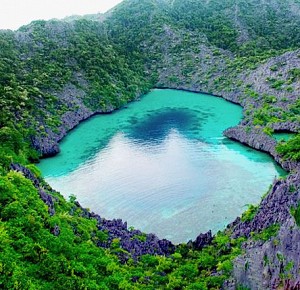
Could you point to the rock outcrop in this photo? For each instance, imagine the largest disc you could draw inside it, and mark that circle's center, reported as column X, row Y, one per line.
column 48, row 199
column 257, row 139
column 132, row 241
column 72, row 97
column 272, row 264
column 201, row 241
column 274, row 209
column 269, row 264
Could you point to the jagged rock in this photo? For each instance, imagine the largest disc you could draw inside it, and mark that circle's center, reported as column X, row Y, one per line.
column 56, row 230
column 48, row 200
column 290, row 127
column 292, row 285
column 256, row 139
column 265, row 265
column 133, row 241
column 275, row 208
column 202, row 240
column 26, row 172
column 45, row 146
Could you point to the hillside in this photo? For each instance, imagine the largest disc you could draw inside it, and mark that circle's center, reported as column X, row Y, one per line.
column 54, row 74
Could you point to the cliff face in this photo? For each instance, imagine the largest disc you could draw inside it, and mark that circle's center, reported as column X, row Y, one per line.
column 275, row 262
column 71, row 96
column 258, row 140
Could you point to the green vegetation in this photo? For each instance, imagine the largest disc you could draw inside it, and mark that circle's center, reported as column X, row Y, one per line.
column 50, row 69
column 290, row 149
column 267, row 233
column 250, row 213
column 296, row 214
column 243, row 288
column 32, row 257
column 294, row 74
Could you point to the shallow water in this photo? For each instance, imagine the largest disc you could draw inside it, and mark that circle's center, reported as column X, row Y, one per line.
column 163, row 165
column 283, row 136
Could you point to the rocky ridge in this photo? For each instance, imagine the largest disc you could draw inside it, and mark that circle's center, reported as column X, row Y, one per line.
column 275, row 262
column 183, row 51
column 257, row 139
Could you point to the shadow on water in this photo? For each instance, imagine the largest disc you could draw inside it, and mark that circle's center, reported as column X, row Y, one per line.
column 162, row 165
column 154, row 129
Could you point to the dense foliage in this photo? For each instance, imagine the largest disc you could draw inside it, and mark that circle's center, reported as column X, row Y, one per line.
column 246, row 27
column 290, row 149
column 33, row 257
column 105, row 65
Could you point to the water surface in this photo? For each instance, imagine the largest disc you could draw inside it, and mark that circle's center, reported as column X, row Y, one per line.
column 163, row 165
column 283, row 136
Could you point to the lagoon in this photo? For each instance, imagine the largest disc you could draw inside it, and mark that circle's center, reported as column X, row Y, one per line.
column 163, row 165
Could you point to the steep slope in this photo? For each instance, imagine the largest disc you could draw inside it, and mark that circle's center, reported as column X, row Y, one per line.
column 55, row 74
column 64, row 70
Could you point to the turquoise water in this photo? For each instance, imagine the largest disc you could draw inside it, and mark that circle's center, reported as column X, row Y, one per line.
column 283, row 136
column 163, row 165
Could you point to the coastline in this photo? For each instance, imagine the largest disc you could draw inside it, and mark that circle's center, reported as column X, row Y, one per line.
column 49, row 146
column 273, row 209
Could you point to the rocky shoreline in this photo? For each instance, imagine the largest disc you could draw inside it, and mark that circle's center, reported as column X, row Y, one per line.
column 57, row 74
column 275, row 208
column 132, row 241
column 258, row 140
column 48, row 144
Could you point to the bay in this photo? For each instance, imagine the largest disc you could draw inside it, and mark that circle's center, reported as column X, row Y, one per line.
column 163, row 165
